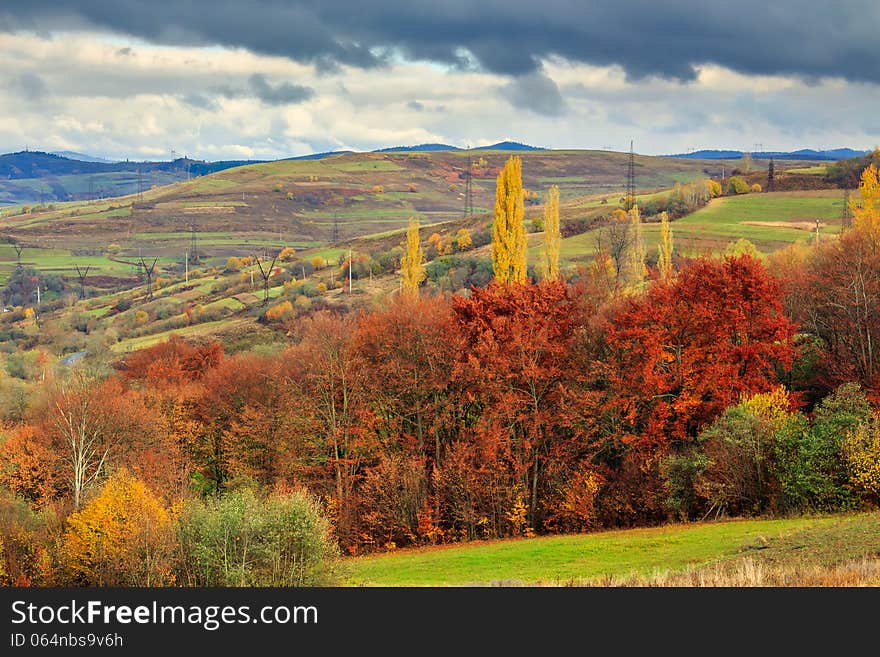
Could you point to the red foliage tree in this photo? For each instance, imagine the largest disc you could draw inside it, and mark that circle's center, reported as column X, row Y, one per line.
column 516, row 363
column 686, row 350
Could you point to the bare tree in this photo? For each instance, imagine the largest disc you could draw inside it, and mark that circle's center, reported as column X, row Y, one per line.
column 616, row 239
column 81, row 427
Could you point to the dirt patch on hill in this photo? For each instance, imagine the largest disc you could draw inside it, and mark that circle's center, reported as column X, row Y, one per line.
column 798, row 225
column 210, row 209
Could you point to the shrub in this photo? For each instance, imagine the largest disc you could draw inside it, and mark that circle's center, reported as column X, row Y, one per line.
column 861, row 449
column 737, row 185
column 241, row 539
column 756, row 188
column 279, row 311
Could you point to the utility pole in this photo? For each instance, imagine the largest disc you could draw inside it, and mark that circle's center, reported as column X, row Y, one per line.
column 817, row 233
column 350, row 264
column 186, row 266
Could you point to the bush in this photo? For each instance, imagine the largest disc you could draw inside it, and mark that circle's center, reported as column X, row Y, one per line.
column 241, row 539
column 756, row 188
column 737, row 185
column 861, row 449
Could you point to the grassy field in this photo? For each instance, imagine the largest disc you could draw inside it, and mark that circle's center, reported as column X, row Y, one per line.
column 770, row 221
column 616, row 555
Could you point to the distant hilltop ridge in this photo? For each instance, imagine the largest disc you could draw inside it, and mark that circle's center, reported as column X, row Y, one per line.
column 803, row 154
column 37, row 164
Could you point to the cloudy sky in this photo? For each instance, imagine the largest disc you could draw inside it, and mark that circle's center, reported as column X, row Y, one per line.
column 228, row 79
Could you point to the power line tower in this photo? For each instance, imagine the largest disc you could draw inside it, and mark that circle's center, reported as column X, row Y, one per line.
column 468, row 188
column 630, row 198
column 140, row 194
column 148, row 276
column 81, row 274
column 846, row 218
column 771, row 176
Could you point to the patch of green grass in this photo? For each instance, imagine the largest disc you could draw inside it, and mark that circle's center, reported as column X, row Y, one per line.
column 579, row 558
column 818, row 170
column 133, row 344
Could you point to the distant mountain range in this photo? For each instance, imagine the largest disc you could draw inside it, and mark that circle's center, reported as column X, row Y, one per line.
column 803, row 154
column 82, row 157
column 36, row 176
column 500, row 146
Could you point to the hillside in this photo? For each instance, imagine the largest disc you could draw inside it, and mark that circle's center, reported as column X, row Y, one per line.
column 321, row 209
column 738, row 553
column 28, row 177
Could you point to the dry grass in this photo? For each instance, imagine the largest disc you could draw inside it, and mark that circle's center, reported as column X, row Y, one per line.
column 751, row 572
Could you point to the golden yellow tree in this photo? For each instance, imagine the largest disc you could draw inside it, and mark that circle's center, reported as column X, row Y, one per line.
column 412, row 264
column 508, row 231
column 552, row 237
column 463, row 239
column 122, row 537
column 664, row 255
column 637, row 252
column 866, row 214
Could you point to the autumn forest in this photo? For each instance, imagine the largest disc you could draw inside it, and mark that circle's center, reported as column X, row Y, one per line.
column 630, row 391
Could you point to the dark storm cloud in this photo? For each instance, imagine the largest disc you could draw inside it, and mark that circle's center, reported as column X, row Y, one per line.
column 535, row 92
column 645, row 37
column 284, row 93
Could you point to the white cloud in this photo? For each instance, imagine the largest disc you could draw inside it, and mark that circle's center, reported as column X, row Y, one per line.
column 127, row 98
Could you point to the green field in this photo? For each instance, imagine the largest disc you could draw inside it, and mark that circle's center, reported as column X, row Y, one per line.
column 585, row 558
column 770, row 221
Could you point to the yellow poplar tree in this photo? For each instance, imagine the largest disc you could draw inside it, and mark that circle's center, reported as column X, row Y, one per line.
column 866, row 215
column 412, row 267
column 638, row 246
column 664, row 256
column 508, row 231
column 552, row 237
